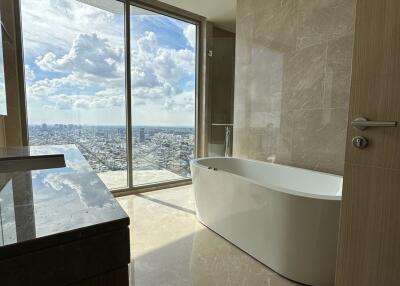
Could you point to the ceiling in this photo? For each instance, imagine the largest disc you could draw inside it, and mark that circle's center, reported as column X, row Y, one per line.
column 221, row 12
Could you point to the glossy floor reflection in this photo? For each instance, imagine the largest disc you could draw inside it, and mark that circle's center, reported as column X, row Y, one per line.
column 170, row 247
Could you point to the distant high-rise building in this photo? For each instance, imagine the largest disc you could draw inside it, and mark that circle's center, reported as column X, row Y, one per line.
column 142, row 136
column 104, row 147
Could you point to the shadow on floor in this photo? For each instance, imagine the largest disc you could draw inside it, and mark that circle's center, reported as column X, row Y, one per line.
column 189, row 211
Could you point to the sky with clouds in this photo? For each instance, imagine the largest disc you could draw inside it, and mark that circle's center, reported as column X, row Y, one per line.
column 74, row 65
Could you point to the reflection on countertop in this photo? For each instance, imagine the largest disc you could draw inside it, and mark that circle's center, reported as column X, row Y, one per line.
column 43, row 206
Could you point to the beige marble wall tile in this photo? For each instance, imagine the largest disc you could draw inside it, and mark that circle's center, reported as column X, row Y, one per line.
column 256, row 140
column 246, row 9
column 304, row 73
column 323, row 20
column 275, row 23
column 265, row 79
column 244, row 28
column 285, row 133
column 240, row 142
column 338, row 72
column 319, row 139
column 242, row 77
column 241, row 119
column 293, row 73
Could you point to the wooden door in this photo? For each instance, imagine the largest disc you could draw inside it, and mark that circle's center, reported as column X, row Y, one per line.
column 369, row 237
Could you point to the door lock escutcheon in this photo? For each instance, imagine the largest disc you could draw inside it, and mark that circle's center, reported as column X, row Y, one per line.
column 360, row 142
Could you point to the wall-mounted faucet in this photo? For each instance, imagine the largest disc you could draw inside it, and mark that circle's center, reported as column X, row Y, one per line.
column 228, row 143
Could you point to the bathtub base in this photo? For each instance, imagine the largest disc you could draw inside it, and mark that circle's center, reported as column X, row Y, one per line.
column 293, row 235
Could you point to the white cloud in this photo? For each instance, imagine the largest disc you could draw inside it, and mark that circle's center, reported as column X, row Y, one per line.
column 190, row 34
column 104, row 99
column 64, row 19
column 183, row 101
column 174, row 65
column 89, row 55
column 74, row 64
column 147, row 44
column 157, row 71
column 29, row 74
column 46, row 87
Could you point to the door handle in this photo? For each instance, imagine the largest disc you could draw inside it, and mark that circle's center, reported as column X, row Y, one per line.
column 363, row 123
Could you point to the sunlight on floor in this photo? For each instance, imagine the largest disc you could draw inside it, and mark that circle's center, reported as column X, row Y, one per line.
column 118, row 179
column 170, row 247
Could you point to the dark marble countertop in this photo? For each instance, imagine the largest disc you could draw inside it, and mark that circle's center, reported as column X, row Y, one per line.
column 43, row 208
column 25, row 152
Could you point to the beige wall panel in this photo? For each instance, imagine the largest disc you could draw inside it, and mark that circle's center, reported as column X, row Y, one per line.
column 292, row 83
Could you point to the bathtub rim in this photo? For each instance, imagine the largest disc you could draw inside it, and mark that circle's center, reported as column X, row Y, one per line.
column 271, row 186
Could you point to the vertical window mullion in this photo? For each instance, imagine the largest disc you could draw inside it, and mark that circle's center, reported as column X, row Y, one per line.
column 128, row 94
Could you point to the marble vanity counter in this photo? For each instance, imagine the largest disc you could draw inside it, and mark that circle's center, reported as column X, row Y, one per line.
column 45, row 208
column 26, row 152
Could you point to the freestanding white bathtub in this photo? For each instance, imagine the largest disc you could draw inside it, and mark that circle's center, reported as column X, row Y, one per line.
column 285, row 217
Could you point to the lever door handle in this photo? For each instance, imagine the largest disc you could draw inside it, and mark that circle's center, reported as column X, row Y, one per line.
column 363, row 123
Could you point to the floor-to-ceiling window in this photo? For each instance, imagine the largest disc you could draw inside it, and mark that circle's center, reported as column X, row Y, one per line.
column 74, row 59
column 74, row 71
column 163, row 56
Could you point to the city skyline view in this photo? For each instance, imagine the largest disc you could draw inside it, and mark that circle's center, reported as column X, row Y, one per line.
column 108, row 125
column 75, row 86
column 104, row 147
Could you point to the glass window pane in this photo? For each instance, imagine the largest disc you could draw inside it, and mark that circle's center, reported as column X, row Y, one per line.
column 3, row 106
column 74, row 70
column 163, row 55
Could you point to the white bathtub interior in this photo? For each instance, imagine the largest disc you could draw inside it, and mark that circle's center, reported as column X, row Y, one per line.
column 285, row 178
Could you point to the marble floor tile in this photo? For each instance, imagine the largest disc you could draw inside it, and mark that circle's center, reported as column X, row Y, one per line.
column 170, row 247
